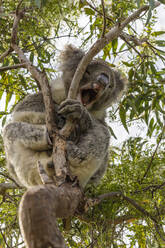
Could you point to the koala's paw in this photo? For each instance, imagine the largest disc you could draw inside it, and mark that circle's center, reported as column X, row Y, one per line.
column 71, row 109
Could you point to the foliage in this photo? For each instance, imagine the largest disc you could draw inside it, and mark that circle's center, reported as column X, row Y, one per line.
column 136, row 168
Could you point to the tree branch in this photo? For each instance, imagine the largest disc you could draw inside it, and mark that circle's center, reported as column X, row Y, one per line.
column 36, row 74
column 104, row 19
column 153, row 155
column 11, row 67
column 124, row 36
column 6, row 186
column 6, row 53
column 40, row 207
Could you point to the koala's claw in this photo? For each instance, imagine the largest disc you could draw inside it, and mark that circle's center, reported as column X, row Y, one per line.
column 71, row 109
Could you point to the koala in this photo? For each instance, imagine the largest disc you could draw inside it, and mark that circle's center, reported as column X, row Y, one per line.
column 27, row 141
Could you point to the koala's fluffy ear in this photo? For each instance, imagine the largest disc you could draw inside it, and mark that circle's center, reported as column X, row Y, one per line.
column 69, row 58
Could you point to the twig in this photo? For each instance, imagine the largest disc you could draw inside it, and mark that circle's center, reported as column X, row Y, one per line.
column 104, row 19
column 100, row 13
column 4, row 238
column 6, row 186
column 6, row 68
column 153, row 155
column 44, row 177
column 8, row 177
column 6, row 53
column 123, row 37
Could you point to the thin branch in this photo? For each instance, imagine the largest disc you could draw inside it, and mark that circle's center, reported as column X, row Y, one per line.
column 123, row 218
column 4, row 238
column 153, row 155
column 151, row 188
column 104, row 19
column 124, row 37
column 8, row 177
column 11, row 67
column 36, row 74
column 100, row 13
column 6, row 186
column 157, row 54
column 134, row 39
column 116, row 221
column 6, row 53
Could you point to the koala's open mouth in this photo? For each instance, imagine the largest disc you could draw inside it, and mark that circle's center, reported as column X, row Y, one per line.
column 90, row 94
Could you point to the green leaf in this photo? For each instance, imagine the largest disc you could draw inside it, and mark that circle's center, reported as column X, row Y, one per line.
column 8, row 98
column 127, row 64
column 114, row 46
column 4, row 120
column 16, row 60
column 89, row 11
column 158, row 118
column 82, row 3
column 162, row 1
column 138, row 3
column 160, row 43
column 153, row 69
column 31, row 57
column 131, row 73
column 152, row 6
column 151, row 127
column 2, row 113
column 131, row 102
column 154, row 101
column 122, row 113
column 160, row 108
column 157, row 33
column 112, row 132
column 149, row 16
column 122, row 47
column 1, row 93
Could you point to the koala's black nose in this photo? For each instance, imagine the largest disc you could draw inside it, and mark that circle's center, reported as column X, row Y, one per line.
column 103, row 79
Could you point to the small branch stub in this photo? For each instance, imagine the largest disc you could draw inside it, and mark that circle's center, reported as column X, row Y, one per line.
column 44, row 177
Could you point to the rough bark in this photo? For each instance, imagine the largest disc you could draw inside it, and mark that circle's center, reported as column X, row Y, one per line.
column 39, row 209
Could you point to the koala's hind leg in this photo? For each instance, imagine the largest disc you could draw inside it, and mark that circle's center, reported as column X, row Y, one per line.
column 32, row 136
column 25, row 145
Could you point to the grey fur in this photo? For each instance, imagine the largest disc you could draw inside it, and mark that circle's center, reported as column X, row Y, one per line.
column 26, row 139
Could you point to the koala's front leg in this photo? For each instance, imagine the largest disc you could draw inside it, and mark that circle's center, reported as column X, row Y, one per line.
column 31, row 136
column 74, row 110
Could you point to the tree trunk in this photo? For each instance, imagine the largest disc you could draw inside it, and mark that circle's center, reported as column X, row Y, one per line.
column 40, row 207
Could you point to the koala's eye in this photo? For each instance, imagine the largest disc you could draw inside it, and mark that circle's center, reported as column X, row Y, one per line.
column 103, row 79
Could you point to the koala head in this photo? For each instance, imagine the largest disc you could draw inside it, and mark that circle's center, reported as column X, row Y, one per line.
column 100, row 86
